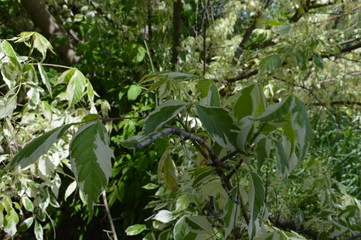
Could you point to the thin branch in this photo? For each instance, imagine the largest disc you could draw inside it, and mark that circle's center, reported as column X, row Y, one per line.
column 336, row 16
column 50, row 65
column 105, row 201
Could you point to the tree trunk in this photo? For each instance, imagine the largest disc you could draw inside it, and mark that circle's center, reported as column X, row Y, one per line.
column 42, row 18
column 177, row 14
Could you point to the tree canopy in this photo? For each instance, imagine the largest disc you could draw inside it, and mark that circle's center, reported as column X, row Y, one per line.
column 180, row 119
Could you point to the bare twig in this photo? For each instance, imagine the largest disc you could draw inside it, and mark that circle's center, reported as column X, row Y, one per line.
column 104, row 194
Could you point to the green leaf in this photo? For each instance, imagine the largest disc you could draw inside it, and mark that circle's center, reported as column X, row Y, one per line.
column 167, row 170
column 182, row 203
column 133, row 92
column 193, row 227
column 251, row 102
column 277, row 111
column 76, row 84
column 263, row 149
column 283, row 159
column 27, row 203
column 7, row 105
column 135, row 229
column 150, row 186
column 232, row 212
column 10, row 221
column 165, row 216
column 256, row 200
column 26, row 224
column 31, row 152
column 90, row 158
column 38, row 230
column 45, row 79
column 318, row 61
column 35, row 40
column 219, row 125
column 70, row 189
column 161, row 115
column 283, row 29
column 270, row 63
column 213, row 98
column 10, row 66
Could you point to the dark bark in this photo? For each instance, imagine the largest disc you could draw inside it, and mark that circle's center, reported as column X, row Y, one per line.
column 177, row 14
column 249, row 73
column 42, row 18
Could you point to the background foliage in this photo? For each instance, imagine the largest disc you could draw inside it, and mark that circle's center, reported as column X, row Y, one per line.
column 207, row 68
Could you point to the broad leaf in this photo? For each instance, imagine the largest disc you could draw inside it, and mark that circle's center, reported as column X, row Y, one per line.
column 7, row 105
column 31, row 152
column 10, row 66
column 90, row 158
column 213, row 98
column 133, row 92
column 318, row 61
column 219, row 124
column 256, row 200
column 277, row 111
column 193, row 227
column 165, row 216
column 161, row 115
column 270, row 63
column 251, row 102
column 76, row 84
column 35, row 40
column 135, row 229
column 283, row 29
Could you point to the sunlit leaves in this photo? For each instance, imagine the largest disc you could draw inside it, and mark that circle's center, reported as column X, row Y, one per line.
column 7, row 104
column 90, row 157
column 135, row 229
column 133, row 92
column 31, row 152
column 219, row 125
column 35, row 40
column 10, row 66
column 251, row 102
column 193, row 227
column 270, row 63
column 161, row 115
column 76, row 84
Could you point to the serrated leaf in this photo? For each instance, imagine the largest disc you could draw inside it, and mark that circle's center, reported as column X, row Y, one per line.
column 31, row 152
column 256, row 200
column 165, row 216
column 283, row 29
column 90, row 158
column 161, row 115
column 133, row 92
column 35, row 40
column 76, row 84
column 45, row 79
column 135, row 229
column 251, row 102
column 277, row 111
column 270, row 63
column 219, row 125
